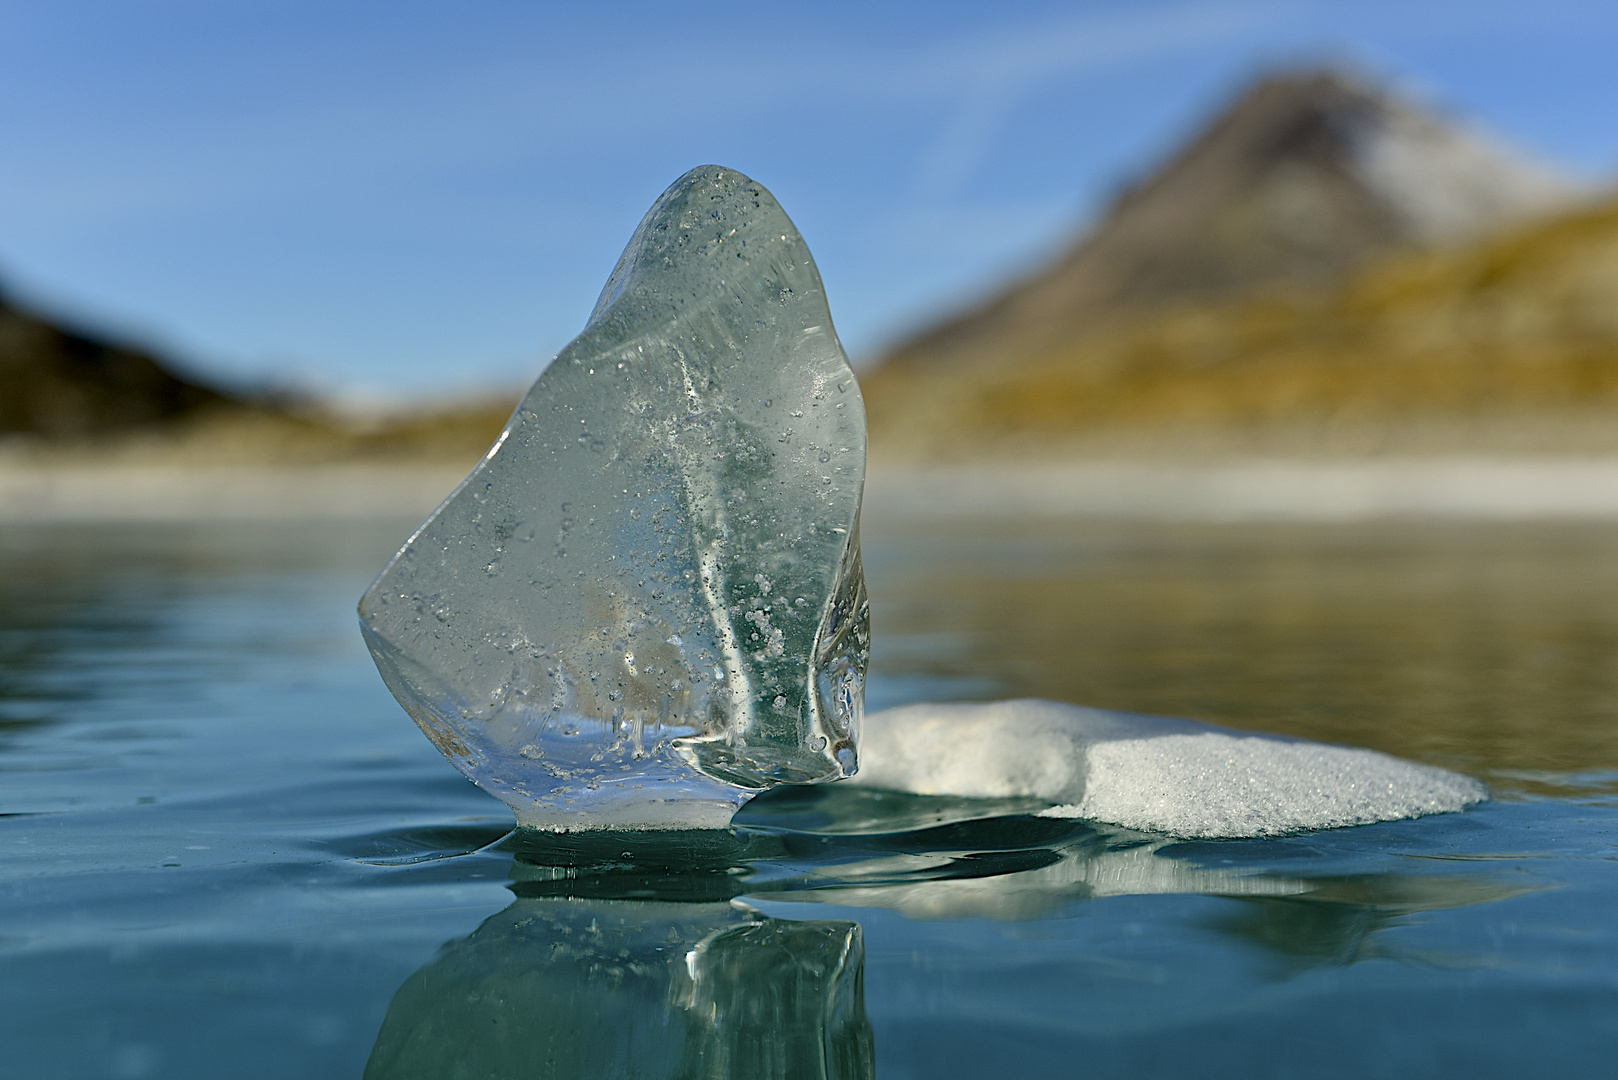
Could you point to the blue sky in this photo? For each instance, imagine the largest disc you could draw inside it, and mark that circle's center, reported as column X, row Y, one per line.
column 406, row 198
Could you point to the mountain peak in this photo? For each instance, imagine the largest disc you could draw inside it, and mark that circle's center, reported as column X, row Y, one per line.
column 1304, row 177
column 1432, row 179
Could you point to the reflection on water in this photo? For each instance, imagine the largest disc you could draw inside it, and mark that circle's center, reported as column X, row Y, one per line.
column 1335, row 920
column 1482, row 647
column 627, row 955
column 624, row 955
column 633, row 988
column 220, row 840
column 959, row 858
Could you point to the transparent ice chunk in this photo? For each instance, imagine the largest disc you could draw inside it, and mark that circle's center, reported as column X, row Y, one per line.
column 646, row 602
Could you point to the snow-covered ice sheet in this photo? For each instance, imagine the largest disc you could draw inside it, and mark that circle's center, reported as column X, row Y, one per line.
column 1154, row 774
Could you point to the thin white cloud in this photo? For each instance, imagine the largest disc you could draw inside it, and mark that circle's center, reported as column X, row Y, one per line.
column 993, row 78
column 523, row 105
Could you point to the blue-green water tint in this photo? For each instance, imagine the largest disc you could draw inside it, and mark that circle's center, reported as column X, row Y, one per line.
column 226, row 851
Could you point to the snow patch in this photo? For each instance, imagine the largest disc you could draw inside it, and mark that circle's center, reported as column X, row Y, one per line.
column 1154, row 774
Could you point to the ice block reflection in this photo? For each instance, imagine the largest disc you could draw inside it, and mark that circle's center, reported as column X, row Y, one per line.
column 567, row 985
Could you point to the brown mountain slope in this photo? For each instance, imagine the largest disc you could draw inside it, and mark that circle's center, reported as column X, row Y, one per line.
column 1304, row 178
column 1521, row 329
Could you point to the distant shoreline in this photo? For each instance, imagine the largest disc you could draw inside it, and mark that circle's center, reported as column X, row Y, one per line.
column 1255, row 489
column 88, row 493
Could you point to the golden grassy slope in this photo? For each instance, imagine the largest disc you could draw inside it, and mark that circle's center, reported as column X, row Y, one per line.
column 1522, row 327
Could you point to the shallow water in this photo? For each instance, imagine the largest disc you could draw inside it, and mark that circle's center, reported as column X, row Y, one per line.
column 226, row 851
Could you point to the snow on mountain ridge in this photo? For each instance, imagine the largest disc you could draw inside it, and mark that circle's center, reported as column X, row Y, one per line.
column 1447, row 181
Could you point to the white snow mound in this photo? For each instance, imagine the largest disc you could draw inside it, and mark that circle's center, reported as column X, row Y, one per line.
column 1150, row 773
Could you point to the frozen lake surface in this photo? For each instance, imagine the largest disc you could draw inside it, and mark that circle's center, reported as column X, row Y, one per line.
column 224, row 849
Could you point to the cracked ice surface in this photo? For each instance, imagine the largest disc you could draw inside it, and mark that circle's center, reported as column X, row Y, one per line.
column 646, row 602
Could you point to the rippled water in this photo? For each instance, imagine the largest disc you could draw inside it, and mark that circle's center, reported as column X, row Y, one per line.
column 226, row 851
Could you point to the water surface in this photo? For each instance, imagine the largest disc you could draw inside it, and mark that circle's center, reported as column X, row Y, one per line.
column 226, row 851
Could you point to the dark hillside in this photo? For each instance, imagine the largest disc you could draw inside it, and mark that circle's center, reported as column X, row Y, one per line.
column 59, row 383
